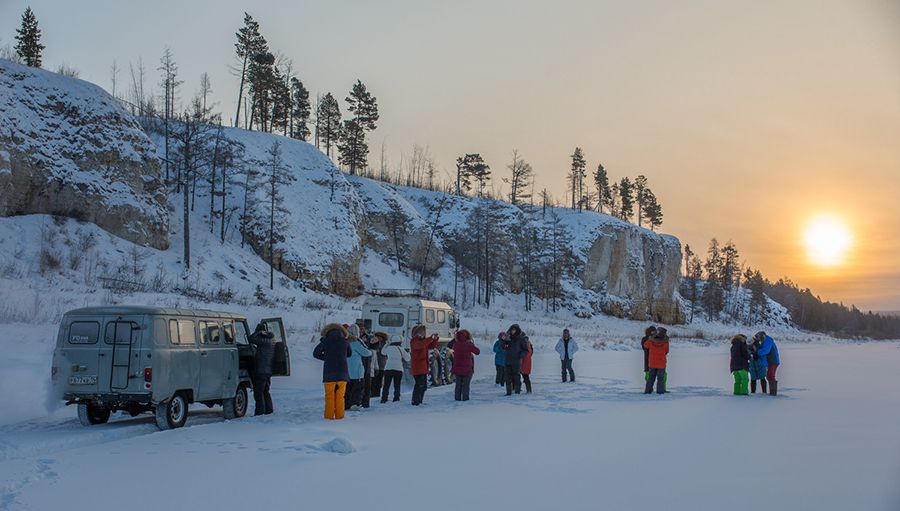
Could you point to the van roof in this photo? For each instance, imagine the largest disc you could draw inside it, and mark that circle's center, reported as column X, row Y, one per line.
column 405, row 300
column 123, row 310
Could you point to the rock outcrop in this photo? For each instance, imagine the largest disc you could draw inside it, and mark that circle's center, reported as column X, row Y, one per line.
column 68, row 148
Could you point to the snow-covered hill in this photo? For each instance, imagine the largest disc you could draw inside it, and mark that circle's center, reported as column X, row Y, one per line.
column 68, row 148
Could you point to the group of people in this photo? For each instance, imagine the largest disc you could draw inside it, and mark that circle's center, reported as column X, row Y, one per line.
column 358, row 366
column 756, row 362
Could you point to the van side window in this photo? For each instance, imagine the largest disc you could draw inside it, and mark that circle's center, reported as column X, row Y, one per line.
column 242, row 335
column 429, row 315
column 186, row 334
column 228, row 331
column 209, row 332
column 160, row 332
column 122, row 331
column 390, row 319
column 441, row 316
column 173, row 331
column 84, row 332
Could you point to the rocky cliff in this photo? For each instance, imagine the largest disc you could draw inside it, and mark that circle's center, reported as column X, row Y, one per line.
column 68, row 148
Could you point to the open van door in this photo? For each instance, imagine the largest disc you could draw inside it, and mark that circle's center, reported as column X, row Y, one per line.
column 282, row 361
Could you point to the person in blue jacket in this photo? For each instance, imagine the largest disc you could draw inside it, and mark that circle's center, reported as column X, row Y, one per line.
column 500, row 360
column 757, row 369
column 356, row 368
column 768, row 353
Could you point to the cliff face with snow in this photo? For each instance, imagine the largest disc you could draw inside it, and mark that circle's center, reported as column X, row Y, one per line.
column 67, row 148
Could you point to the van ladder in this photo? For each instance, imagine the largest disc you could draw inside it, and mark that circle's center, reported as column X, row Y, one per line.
column 126, row 365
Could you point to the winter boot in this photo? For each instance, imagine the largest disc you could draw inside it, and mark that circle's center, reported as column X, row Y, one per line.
column 753, row 387
column 773, row 386
column 764, row 385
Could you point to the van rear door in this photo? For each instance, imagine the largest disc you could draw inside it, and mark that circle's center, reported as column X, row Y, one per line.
column 79, row 354
column 121, row 347
column 282, row 361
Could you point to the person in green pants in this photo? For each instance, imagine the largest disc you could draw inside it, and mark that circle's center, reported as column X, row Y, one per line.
column 740, row 365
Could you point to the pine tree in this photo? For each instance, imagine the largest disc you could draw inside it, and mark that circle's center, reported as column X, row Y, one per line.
column 626, row 195
column 730, row 265
column 300, row 110
column 328, row 119
column 576, row 178
column 28, row 37
column 263, row 78
column 601, row 183
column 363, row 107
column 640, row 198
column 471, row 167
column 520, row 179
column 652, row 210
column 249, row 43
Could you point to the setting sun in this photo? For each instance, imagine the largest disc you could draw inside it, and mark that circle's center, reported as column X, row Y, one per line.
column 827, row 240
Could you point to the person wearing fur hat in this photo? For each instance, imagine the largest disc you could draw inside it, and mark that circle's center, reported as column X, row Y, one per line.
column 659, row 349
column 514, row 350
column 356, row 368
column 464, row 351
column 499, row 363
column 419, row 347
column 566, row 347
column 394, row 357
column 768, row 353
column 334, row 350
column 740, row 365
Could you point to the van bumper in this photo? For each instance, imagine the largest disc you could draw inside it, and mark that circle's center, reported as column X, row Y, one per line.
column 112, row 400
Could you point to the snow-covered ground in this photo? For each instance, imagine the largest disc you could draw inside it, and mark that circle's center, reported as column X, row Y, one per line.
column 827, row 442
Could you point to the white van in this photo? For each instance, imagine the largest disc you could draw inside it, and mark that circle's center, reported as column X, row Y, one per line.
column 396, row 315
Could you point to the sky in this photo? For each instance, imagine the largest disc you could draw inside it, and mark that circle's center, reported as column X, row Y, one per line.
column 748, row 118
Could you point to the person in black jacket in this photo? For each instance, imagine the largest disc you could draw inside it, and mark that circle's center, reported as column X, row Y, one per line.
column 334, row 350
column 648, row 334
column 515, row 347
column 740, row 365
column 264, row 356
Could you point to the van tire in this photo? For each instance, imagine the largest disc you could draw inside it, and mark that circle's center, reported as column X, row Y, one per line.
column 236, row 407
column 89, row 414
column 172, row 413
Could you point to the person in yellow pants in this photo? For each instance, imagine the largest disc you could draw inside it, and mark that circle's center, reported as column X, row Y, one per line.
column 334, row 399
column 334, row 350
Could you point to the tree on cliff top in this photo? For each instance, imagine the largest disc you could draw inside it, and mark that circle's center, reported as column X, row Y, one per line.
column 29, row 45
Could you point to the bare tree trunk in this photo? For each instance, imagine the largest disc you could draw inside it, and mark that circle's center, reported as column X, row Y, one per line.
column 237, row 115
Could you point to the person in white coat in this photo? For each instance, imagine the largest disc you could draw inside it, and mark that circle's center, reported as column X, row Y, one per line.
column 566, row 347
column 393, row 367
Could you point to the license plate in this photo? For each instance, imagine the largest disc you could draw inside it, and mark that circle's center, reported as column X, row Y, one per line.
column 82, row 380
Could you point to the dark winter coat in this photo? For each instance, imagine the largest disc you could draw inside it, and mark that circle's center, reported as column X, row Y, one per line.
column 418, row 351
column 334, row 350
column 464, row 351
column 740, row 354
column 515, row 348
column 646, row 354
column 264, row 356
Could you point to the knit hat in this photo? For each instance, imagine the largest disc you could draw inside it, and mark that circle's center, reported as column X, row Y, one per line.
column 353, row 331
column 661, row 334
column 650, row 330
column 761, row 335
column 418, row 331
column 381, row 335
column 501, row 334
column 739, row 337
column 463, row 335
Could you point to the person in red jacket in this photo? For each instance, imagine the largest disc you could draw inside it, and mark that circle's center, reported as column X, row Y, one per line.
column 464, row 351
column 419, row 347
column 658, row 346
column 526, row 366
